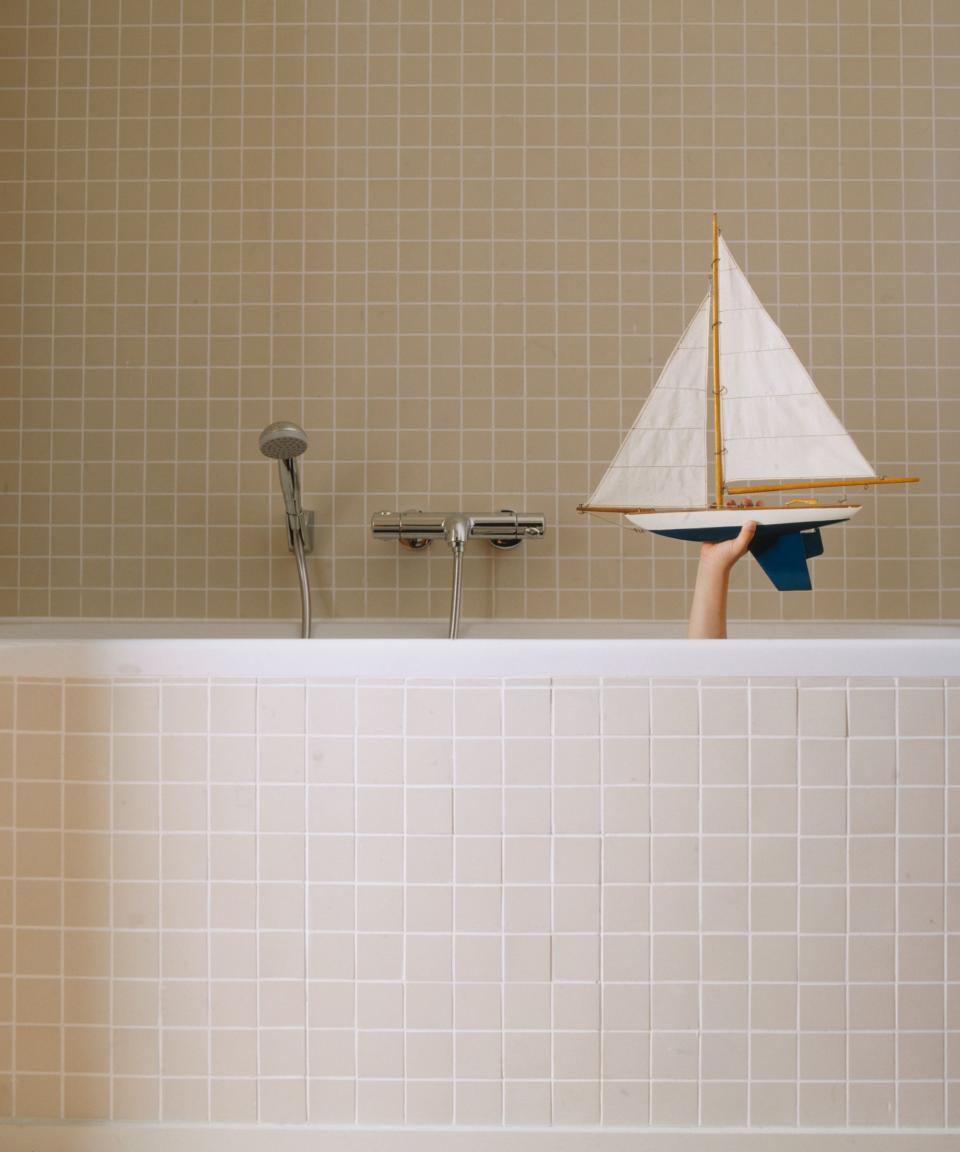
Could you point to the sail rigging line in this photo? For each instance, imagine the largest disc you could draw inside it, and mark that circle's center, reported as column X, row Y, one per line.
column 623, row 524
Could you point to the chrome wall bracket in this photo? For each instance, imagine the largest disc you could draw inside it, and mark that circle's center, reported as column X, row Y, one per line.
column 417, row 529
column 306, row 532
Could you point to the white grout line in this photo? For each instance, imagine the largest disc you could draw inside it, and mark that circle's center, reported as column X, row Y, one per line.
column 649, row 831
column 897, row 888
column 21, row 408
column 601, row 926
column 700, row 932
column 748, row 1119
column 61, row 991
column 258, row 886
column 271, row 290
column 14, row 909
column 116, row 434
column 846, row 913
column 502, row 701
column 948, row 841
column 365, row 369
column 208, row 878
column 940, row 435
column 161, row 769
column 111, row 897
column 454, row 883
column 798, row 887
column 307, row 884
column 873, row 340
column 404, row 1067
column 553, row 895
column 356, row 900
column 178, row 427
column 208, row 435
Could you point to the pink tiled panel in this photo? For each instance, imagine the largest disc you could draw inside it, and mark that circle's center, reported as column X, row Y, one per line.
column 630, row 903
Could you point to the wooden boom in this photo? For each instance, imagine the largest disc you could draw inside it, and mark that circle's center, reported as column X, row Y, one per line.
column 856, row 483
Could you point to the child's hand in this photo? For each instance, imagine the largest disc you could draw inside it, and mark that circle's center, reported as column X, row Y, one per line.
column 725, row 553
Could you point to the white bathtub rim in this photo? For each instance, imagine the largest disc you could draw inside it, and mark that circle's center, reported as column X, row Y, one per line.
column 93, row 1136
column 479, row 659
column 433, row 628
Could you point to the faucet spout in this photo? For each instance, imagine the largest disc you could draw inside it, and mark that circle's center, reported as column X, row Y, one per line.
column 457, row 530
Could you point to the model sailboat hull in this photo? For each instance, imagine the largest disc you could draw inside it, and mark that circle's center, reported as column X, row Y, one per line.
column 784, row 540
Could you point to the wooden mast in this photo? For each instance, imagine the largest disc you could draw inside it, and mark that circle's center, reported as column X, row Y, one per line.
column 717, row 439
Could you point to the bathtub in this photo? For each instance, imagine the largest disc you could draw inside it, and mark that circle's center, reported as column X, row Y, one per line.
column 502, row 648
column 548, row 888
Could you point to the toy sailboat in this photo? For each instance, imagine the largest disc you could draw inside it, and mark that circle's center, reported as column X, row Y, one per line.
column 772, row 432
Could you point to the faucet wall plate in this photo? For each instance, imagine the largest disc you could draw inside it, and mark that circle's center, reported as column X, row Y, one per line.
column 306, row 531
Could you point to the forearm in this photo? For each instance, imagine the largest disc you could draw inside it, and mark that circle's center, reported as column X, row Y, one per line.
column 708, row 612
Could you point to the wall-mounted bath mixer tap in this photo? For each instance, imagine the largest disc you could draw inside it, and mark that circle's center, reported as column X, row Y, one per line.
column 284, row 442
column 416, row 529
column 503, row 529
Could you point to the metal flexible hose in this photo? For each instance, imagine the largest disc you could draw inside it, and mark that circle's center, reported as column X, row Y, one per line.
column 457, row 591
column 306, row 617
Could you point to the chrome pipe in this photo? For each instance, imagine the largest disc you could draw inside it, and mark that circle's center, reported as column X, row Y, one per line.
column 456, row 531
column 456, row 595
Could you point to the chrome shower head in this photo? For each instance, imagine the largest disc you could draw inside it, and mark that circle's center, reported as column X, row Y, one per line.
column 283, row 440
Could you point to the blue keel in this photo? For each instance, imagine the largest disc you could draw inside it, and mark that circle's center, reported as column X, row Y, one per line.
column 784, row 559
column 781, row 550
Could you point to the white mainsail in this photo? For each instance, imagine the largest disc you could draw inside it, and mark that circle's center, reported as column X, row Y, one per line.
column 662, row 462
column 775, row 423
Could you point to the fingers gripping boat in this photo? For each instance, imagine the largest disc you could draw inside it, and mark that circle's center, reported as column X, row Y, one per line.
column 772, row 432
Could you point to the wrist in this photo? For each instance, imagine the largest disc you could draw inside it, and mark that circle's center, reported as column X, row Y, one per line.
column 714, row 561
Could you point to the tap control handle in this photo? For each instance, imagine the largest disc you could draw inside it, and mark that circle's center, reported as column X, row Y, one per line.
column 410, row 525
column 509, row 525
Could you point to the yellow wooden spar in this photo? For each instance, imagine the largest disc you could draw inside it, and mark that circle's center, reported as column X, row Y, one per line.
column 717, row 439
column 854, row 483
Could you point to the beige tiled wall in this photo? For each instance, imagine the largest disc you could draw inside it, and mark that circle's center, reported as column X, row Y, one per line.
column 481, row 902
column 456, row 240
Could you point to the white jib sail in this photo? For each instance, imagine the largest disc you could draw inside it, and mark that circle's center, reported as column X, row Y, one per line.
column 775, row 424
column 662, row 461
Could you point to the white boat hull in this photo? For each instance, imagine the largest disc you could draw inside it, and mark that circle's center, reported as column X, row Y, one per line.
column 786, row 538
column 784, row 519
